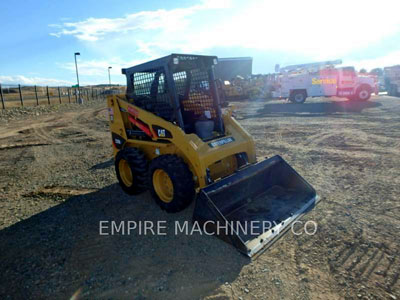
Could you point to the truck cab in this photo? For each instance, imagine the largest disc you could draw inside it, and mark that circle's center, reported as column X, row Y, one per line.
column 353, row 85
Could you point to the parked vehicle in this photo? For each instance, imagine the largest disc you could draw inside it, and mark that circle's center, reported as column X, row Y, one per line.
column 323, row 79
column 392, row 80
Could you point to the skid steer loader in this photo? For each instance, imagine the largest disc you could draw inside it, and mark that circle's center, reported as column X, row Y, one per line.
column 170, row 136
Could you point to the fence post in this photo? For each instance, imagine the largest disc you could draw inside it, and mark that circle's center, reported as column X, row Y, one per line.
column 76, row 94
column 2, row 98
column 37, row 99
column 48, row 96
column 69, row 96
column 59, row 94
column 20, row 95
column 87, row 95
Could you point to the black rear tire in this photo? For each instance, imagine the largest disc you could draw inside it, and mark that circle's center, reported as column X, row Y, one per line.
column 298, row 97
column 137, row 163
column 181, row 178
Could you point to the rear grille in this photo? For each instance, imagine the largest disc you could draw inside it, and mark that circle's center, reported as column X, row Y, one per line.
column 196, row 97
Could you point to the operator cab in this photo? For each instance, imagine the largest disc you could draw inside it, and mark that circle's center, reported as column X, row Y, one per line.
column 181, row 89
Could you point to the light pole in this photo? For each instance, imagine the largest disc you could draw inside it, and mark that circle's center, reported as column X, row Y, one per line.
column 109, row 77
column 77, row 76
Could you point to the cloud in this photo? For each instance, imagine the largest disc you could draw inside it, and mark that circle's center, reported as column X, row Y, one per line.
column 313, row 28
column 307, row 30
column 91, row 68
column 393, row 58
column 23, row 80
column 99, row 68
column 96, row 71
column 93, row 29
column 298, row 27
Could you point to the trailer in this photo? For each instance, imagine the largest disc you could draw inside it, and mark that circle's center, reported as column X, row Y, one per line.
column 323, row 79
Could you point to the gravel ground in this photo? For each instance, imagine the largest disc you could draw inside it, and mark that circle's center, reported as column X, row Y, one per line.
column 57, row 183
column 17, row 113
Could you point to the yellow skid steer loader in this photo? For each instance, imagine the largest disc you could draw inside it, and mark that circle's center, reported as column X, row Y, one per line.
column 170, row 136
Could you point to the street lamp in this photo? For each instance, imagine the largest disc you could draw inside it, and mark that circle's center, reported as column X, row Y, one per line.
column 77, row 75
column 109, row 77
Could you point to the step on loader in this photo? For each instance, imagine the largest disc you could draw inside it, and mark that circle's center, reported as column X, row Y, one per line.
column 170, row 136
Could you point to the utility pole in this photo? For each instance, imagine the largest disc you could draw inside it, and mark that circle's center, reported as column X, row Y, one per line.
column 77, row 75
column 109, row 77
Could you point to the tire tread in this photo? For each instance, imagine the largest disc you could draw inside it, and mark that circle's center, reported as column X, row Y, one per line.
column 139, row 167
column 181, row 177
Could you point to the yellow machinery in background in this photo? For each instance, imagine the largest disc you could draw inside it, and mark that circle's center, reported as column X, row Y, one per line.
column 254, row 87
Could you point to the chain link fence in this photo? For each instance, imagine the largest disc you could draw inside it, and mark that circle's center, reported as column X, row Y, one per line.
column 19, row 95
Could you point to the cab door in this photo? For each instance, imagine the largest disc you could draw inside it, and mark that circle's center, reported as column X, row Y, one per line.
column 347, row 80
column 347, row 77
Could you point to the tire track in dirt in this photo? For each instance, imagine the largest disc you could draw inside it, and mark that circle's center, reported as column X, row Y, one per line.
column 22, row 145
column 359, row 262
column 56, row 130
column 303, row 284
column 45, row 129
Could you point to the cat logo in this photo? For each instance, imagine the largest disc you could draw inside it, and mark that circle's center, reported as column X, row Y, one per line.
column 161, row 133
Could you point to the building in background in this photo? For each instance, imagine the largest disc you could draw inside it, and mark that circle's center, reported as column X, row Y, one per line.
column 228, row 68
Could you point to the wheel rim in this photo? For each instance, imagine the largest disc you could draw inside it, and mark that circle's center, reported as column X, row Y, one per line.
column 298, row 98
column 125, row 172
column 363, row 94
column 163, row 185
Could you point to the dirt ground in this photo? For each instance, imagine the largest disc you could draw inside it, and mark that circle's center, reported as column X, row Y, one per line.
column 57, row 182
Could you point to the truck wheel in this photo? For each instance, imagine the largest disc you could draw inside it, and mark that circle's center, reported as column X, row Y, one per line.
column 131, row 169
column 172, row 185
column 362, row 94
column 298, row 97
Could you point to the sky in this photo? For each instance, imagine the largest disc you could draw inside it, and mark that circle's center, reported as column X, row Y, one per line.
column 39, row 38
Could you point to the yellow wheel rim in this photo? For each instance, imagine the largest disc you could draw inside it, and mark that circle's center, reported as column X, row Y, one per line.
column 163, row 185
column 125, row 172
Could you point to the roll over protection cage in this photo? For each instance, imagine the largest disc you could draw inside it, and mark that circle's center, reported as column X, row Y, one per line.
column 171, row 64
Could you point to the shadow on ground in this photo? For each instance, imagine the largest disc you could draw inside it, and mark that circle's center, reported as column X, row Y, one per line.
column 59, row 252
column 103, row 165
column 312, row 108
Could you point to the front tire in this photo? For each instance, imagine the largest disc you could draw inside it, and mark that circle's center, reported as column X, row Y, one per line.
column 131, row 169
column 362, row 94
column 171, row 183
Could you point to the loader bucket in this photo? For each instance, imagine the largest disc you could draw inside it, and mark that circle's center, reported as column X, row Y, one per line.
column 254, row 207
